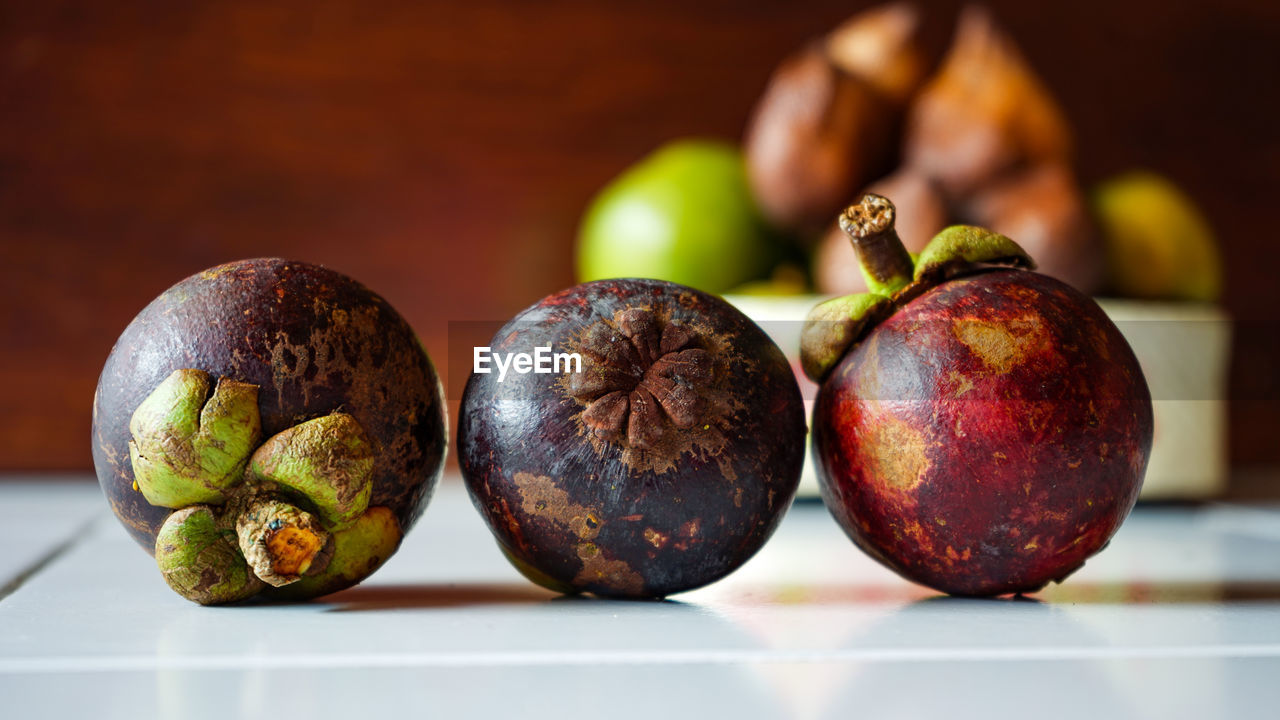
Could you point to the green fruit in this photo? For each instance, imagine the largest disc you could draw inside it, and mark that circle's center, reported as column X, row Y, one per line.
column 1159, row 245
column 683, row 214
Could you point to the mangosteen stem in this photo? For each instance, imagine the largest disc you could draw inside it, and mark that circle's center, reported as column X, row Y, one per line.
column 280, row 542
column 886, row 264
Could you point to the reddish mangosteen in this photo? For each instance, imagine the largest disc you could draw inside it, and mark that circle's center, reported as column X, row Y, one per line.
column 981, row 430
column 268, row 426
column 660, row 463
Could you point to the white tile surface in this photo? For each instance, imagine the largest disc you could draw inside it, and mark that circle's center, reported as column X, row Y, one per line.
column 1179, row 618
column 37, row 519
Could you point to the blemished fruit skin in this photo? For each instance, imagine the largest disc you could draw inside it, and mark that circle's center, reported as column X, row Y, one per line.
column 314, row 341
column 988, row 437
column 679, row 499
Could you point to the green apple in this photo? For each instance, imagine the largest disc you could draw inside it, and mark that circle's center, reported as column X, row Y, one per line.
column 1159, row 245
column 683, row 214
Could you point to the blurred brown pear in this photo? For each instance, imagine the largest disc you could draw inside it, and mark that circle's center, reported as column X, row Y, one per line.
column 983, row 114
column 1043, row 210
column 827, row 121
column 921, row 214
column 816, row 135
column 882, row 47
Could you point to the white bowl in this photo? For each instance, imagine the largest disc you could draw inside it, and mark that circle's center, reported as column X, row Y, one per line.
column 1183, row 349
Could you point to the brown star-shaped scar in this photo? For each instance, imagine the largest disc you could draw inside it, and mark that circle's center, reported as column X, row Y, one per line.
column 635, row 372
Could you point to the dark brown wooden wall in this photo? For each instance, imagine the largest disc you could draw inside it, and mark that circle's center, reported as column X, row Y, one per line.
column 441, row 152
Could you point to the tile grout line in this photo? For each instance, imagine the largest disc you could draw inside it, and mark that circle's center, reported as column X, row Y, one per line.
column 77, row 535
column 152, row 663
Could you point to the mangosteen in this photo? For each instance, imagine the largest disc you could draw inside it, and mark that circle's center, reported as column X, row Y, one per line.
column 655, row 455
column 268, row 426
column 980, row 428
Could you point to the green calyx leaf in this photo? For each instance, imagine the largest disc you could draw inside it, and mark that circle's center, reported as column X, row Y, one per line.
column 358, row 550
column 188, row 447
column 200, row 560
column 893, row 276
column 960, row 247
column 327, row 461
column 834, row 326
column 235, row 530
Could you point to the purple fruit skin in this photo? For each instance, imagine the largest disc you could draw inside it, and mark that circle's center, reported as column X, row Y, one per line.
column 582, row 515
column 988, row 437
column 313, row 340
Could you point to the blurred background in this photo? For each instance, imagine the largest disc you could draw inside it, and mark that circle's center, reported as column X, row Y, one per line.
column 444, row 155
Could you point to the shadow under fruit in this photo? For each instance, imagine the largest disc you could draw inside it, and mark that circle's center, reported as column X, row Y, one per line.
column 329, row 361
column 659, row 465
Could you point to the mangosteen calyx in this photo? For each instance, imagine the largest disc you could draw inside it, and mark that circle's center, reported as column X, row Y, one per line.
column 249, row 518
column 834, row 327
column 188, row 446
column 279, row 541
column 326, row 462
column 627, row 387
column 199, row 563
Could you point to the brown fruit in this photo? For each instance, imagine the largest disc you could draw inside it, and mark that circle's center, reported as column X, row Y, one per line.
column 882, row 47
column 922, row 213
column 984, row 113
column 816, row 136
column 1044, row 209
